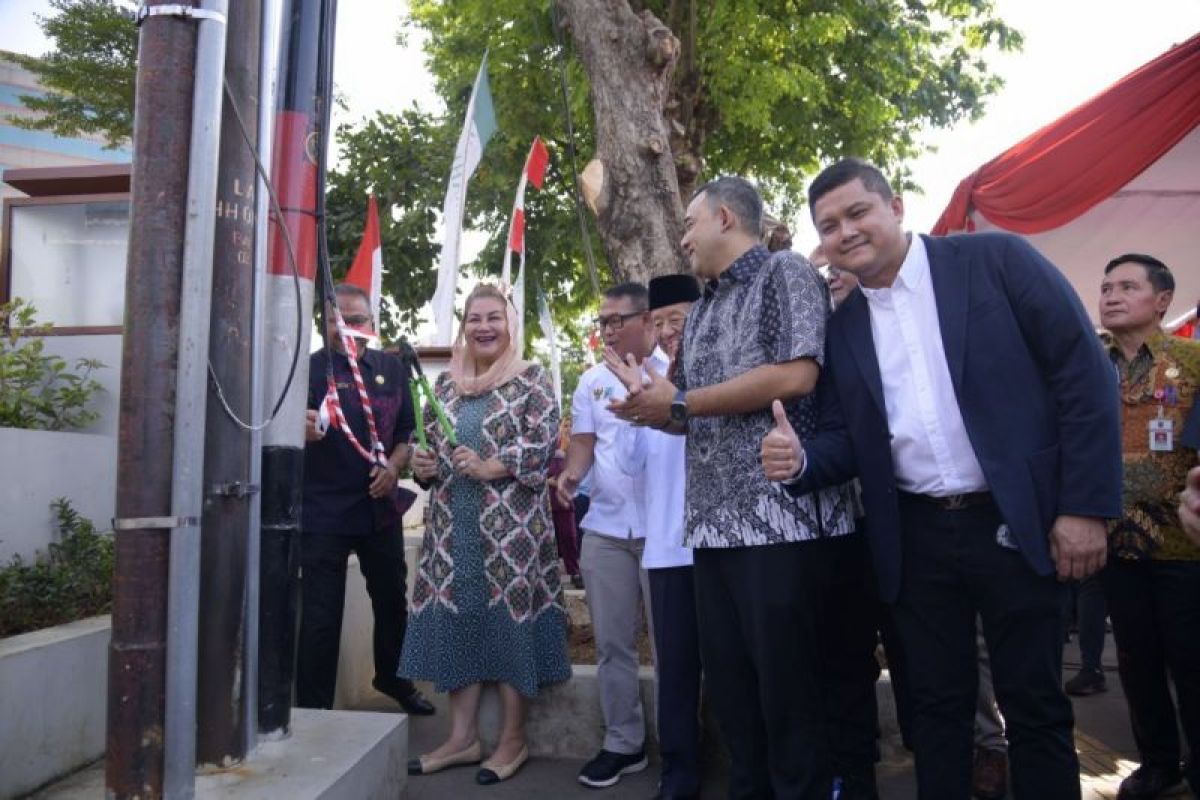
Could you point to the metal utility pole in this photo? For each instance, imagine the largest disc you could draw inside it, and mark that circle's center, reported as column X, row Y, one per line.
column 228, row 489
column 288, row 290
column 191, row 390
column 151, row 747
column 137, row 652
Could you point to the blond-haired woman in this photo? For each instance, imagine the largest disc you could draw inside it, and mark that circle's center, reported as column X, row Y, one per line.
column 487, row 602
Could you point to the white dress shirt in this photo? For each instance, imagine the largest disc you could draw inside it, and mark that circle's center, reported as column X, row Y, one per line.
column 658, row 461
column 616, row 507
column 930, row 448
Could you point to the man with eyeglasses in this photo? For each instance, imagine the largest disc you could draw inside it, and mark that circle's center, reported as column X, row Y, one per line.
column 614, row 533
column 659, row 459
column 350, row 505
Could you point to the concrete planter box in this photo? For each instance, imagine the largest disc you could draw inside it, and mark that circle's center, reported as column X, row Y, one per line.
column 53, row 686
column 39, row 466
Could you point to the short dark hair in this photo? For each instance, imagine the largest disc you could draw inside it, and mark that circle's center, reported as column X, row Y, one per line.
column 844, row 171
column 1157, row 273
column 740, row 196
column 636, row 292
column 352, row 290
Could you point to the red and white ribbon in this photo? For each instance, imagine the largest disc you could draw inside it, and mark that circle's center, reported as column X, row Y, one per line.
column 331, row 406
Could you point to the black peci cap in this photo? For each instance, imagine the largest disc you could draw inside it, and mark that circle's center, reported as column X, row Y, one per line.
column 667, row 290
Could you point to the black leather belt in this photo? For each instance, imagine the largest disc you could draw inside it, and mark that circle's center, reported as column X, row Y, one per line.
column 951, row 502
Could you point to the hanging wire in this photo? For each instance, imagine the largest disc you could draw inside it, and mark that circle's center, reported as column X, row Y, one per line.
column 291, row 253
column 556, row 21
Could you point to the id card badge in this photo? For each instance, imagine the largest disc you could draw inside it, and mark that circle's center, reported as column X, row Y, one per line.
column 1162, row 435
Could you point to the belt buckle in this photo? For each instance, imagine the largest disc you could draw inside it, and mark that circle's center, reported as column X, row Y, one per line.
column 955, row 502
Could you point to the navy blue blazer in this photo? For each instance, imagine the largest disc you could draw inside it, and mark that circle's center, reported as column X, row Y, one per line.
column 1037, row 394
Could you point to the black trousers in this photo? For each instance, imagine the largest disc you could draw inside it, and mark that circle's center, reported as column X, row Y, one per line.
column 893, row 649
column 759, row 610
column 953, row 569
column 322, row 597
column 1087, row 607
column 848, row 638
column 1155, row 612
column 677, row 648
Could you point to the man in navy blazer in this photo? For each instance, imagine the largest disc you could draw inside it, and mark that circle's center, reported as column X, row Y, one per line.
column 965, row 387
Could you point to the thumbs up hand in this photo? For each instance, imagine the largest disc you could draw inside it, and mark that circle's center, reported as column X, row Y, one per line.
column 782, row 455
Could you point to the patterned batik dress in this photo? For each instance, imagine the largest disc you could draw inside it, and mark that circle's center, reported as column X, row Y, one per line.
column 487, row 603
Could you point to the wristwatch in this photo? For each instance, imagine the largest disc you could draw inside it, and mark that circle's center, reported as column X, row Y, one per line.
column 679, row 412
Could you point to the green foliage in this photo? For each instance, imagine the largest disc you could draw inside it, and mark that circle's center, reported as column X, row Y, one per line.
column 771, row 89
column 405, row 160
column 72, row 582
column 521, row 63
column 801, row 83
column 39, row 390
column 90, row 76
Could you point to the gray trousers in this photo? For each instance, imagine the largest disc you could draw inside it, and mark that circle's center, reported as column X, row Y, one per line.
column 618, row 598
column 989, row 724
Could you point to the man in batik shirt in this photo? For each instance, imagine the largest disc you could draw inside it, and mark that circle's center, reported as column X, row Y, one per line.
column 1152, row 582
column 762, row 555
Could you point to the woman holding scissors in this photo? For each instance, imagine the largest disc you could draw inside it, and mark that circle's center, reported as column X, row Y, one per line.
column 487, row 602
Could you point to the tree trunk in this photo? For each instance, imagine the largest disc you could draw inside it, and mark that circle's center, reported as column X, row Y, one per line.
column 689, row 115
column 630, row 59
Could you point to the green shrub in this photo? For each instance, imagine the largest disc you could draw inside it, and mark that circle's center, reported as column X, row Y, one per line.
column 38, row 390
column 72, row 582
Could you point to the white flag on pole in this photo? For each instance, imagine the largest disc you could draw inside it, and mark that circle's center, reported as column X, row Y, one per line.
column 547, row 323
column 478, row 127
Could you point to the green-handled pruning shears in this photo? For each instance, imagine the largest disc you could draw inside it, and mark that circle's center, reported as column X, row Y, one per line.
column 418, row 385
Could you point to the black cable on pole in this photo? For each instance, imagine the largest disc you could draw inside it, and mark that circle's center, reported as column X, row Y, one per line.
column 556, row 22
column 291, row 253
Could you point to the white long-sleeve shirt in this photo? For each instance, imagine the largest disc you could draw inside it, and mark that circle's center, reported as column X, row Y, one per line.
column 931, row 451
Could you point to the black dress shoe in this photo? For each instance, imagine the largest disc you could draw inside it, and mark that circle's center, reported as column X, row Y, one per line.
column 1148, row 782
column 417, row 704
column 411, row 700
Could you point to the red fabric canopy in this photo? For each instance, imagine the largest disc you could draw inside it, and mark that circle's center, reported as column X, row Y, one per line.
column 1081, row 159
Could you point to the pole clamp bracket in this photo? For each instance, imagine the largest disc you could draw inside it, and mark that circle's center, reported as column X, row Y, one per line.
column 144, row 12
column 238, row 489
column 153, row 523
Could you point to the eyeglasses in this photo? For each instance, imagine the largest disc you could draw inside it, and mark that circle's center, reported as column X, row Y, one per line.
column 616, row 321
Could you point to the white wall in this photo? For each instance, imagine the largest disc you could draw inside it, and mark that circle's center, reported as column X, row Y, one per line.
column 106, row 349
column 52, row 702
column 38, row 466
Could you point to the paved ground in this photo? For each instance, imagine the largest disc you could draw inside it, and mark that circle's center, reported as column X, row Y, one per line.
column 1103, row 739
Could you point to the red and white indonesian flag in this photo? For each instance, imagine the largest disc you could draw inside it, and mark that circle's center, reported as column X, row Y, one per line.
column 535, row 173
column 367, row 270
column 478, row 127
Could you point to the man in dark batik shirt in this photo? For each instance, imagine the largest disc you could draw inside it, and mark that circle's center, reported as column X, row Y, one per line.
column 762, row 556
column 350, row 505
column 1152, row 581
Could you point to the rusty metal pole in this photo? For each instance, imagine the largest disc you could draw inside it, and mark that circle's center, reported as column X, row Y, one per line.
column 228, row 489
column 137, row 652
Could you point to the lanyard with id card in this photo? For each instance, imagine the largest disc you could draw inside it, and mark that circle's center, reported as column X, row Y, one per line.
column 1162, row 433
